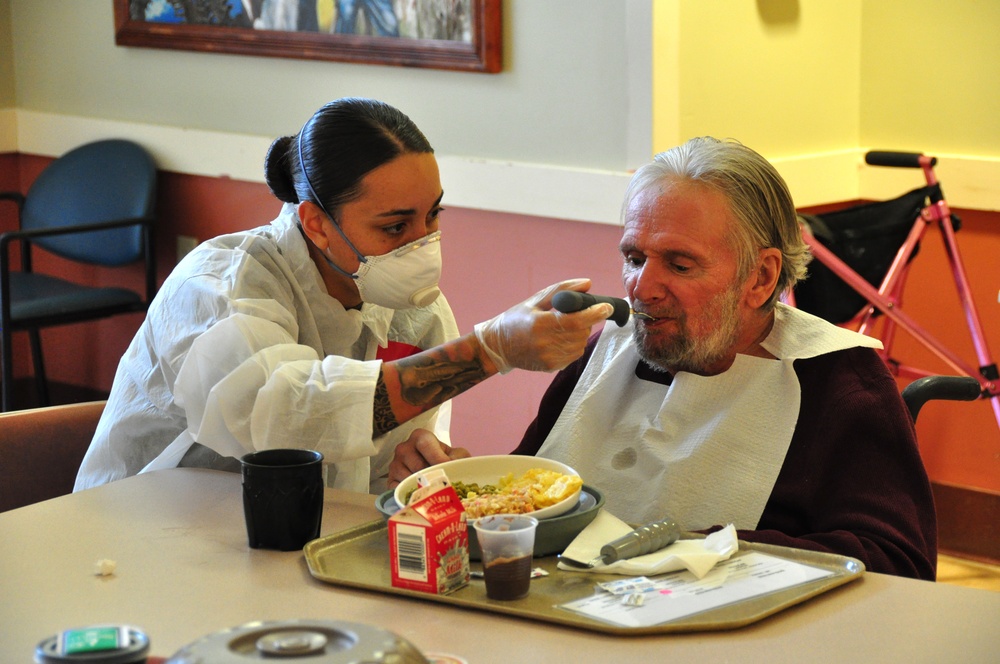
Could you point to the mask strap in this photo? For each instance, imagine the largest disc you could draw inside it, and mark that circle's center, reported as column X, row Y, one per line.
column 316, row 199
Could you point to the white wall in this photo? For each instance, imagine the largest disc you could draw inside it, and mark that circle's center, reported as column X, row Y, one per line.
column 572, row 102
column 564, row 79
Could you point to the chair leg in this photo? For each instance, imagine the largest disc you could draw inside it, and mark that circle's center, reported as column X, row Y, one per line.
column 7, row 360
column 41, row 381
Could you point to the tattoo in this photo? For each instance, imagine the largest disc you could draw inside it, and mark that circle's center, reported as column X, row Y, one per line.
column 429, row 381
column 426, row 380
column 383, row 418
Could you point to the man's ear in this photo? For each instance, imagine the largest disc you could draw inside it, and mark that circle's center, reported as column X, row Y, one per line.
column 764, row 279
column 313, row 223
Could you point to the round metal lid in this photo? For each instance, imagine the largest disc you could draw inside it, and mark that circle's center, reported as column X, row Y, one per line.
column 292, row 643
column 313, row 641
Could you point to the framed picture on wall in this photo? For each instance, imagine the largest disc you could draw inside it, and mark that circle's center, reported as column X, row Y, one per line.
column 462, row 35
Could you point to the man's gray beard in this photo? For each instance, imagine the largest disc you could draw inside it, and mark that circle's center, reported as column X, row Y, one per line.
column 685, row 353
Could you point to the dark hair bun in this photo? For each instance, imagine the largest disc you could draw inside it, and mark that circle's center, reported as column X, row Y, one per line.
column 277, row 170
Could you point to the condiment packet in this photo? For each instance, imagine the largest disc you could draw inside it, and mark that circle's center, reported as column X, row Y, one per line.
column 634, row 599
column 428, row 482
column 627, row 586
column 630, row 590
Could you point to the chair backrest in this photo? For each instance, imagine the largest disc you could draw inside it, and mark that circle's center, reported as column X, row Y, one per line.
column 106, row 180
column 41, row 450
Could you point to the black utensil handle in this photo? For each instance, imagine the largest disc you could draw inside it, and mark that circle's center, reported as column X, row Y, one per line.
column 571, row 301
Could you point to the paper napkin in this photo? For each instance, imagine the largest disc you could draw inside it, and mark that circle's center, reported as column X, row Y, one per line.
column 695, row 555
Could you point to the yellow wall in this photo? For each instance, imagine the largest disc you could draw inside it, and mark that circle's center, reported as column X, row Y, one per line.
column 812, row 84
column 930, row 76
column 8, row 122
column 780, row 75
column 6, row 62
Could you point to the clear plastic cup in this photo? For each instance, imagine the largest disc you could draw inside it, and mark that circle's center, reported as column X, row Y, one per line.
column 506, row 542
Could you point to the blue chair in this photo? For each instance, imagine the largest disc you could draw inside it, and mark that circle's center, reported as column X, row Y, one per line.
column 94, row 205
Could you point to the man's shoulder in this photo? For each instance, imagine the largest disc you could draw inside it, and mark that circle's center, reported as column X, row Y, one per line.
column 859, row 357
column 844, row 370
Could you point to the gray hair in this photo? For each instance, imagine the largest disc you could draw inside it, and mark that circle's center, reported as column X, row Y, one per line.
column 758, row 198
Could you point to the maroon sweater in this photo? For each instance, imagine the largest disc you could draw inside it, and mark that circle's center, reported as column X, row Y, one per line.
column 852, row 482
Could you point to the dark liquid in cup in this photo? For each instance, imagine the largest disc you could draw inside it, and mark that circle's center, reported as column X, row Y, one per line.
column 508, row 578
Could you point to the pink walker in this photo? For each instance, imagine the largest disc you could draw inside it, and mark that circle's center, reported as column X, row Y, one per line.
column 872, row 244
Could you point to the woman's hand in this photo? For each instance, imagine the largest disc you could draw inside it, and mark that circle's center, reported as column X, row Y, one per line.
column 534, row 336
column 421, row 450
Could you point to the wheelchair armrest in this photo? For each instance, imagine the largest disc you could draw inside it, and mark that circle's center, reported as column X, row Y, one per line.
column 951, row 388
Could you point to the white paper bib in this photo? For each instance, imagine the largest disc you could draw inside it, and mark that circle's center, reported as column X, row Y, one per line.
column 704, row 450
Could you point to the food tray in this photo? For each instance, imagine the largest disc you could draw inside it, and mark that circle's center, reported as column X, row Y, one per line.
column 359, row 558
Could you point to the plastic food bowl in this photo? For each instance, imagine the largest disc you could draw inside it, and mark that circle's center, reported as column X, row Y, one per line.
column 552, row 536
column 488, row 470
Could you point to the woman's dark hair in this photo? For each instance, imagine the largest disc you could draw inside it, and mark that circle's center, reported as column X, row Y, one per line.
column 340, row 144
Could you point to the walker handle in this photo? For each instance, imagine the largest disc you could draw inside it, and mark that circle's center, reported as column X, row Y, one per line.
column 897, row 159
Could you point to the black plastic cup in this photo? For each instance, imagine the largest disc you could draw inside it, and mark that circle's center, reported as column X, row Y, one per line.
column 282, row 498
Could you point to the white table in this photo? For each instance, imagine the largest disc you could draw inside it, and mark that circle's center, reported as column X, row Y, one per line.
column 184, row 570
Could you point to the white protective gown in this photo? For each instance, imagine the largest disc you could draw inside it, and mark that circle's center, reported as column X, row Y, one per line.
column 244, row 350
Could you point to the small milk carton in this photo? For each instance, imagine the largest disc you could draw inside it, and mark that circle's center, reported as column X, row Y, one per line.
column 429, row 539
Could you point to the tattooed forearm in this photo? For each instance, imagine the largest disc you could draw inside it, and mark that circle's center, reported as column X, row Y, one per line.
column 434, row 382
column 415, row 384
column 383, row 418
column 432, row 378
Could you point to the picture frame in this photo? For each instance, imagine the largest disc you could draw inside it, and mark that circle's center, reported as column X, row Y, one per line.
column 472, row 42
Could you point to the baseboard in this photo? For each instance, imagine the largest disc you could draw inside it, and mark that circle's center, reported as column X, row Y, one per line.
column 968, row 522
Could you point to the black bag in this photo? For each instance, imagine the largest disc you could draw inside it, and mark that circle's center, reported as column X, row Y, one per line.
column 867, row 238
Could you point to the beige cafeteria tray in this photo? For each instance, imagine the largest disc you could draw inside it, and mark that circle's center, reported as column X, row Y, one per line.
column 359, row 558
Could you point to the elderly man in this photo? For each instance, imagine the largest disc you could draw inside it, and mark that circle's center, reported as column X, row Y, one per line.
column 719, row 404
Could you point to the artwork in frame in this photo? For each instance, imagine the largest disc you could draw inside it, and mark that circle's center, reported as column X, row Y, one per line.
column 462, row 35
